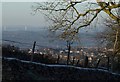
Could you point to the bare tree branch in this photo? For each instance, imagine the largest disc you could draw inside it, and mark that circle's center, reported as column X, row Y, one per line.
column 66, row 15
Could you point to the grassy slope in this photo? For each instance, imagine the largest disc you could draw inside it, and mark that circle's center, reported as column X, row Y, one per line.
column 17, row 70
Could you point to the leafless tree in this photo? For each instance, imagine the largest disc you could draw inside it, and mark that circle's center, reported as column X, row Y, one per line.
column 68, row 17
column 111, row 36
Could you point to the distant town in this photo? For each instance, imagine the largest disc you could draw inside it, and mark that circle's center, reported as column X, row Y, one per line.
column 77, row 54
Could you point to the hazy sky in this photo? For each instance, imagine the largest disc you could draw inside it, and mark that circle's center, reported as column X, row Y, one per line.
column 19, row 13
column 0, row 11
column 0, row 22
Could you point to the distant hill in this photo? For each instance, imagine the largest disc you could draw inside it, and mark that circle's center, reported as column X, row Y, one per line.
column 47, row 39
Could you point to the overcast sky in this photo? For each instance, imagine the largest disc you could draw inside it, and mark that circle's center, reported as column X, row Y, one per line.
column 19, row 13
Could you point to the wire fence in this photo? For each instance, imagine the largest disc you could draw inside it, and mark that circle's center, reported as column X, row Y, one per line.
column 38, row 45
column 21, row 43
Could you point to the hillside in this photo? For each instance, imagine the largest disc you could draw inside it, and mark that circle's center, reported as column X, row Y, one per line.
column 15, row 69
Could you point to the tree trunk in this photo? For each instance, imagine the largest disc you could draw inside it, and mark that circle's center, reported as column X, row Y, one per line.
column 114, row 50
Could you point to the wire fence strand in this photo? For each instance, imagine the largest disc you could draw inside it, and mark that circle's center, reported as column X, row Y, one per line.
column 23, row 43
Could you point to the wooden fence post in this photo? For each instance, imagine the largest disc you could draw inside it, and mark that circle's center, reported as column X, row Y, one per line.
column 69, row 48
column 33, row 49
column 98, row 63
column 73, row 61
column 108, row 63
column 77, row 62
column 86, row 61
column 58, row 58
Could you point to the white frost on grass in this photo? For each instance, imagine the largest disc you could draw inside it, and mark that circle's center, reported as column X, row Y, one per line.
column 65, row 66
